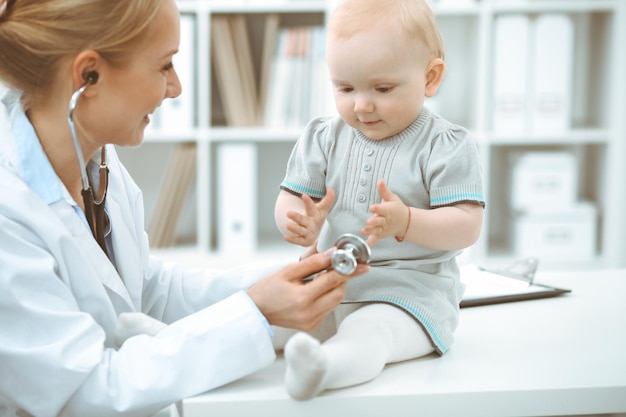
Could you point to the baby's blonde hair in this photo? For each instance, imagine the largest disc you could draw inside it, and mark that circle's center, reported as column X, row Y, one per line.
column 38, row 36
column 414, row 17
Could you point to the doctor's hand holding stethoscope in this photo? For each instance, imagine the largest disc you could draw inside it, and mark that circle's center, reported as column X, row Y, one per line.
column 74, row 255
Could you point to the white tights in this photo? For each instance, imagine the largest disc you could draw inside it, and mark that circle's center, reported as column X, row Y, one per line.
column 368, row 337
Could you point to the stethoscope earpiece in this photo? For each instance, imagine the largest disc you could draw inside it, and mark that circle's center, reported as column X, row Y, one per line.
column 92, row 77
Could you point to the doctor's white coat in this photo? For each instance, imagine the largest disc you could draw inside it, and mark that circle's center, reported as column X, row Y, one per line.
column 60, row 298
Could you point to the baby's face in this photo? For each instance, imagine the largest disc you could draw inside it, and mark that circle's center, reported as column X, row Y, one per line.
column 379, row 86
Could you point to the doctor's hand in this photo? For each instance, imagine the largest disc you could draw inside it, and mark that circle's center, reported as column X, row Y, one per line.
column 285, row 301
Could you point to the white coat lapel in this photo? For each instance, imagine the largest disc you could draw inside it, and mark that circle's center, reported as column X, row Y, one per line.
column 87, row 245
column 127, row 256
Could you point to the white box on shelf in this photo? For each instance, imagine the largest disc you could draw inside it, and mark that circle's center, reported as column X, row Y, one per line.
column 510, row 72
column 237, row 198
column 557, row 235
column 552, row 63
column 541, row 180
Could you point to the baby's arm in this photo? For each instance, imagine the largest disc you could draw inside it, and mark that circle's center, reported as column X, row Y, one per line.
column 300, row 219
column 445, row 228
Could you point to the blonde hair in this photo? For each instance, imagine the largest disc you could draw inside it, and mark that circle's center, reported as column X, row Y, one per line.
column 414, row 17
column 38, row 36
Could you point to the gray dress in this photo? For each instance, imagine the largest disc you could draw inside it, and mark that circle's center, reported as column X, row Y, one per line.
column 432, row 163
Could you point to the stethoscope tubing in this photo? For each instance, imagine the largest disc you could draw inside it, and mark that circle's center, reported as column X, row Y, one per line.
column 94, row 210
column 77, row 148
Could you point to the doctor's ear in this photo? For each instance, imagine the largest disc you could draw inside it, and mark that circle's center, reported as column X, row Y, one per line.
column 86, row 68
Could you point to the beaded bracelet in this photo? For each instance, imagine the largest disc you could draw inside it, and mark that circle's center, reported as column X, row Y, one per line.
column 408, row 223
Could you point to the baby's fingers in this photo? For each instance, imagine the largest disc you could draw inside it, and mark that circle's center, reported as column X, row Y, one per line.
column 372, row 240
column 309, row 205
column 297, row 220
column 327, row 201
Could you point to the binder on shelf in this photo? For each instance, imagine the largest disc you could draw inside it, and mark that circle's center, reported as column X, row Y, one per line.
column 323, row 103
column 511, row 53
column 237, row 198
column 297, row 101
column 270, row 41
column 173, row 195
column 178, row 113
column 299, row 88
column 243, row 53
column 495, row 286
column 553, row 45
column 230, row 50
column 278, row 80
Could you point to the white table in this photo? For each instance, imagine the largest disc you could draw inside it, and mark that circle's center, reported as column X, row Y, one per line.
column 558, row 356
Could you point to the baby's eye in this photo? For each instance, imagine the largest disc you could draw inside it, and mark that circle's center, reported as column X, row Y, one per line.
column 345, row 89
column 168, row 67
column 384, row 89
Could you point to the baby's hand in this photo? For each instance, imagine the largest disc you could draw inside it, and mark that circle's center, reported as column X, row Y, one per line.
column 390, row 216
column 305, row 228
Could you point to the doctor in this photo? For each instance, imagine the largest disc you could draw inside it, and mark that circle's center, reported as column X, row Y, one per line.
column 90, row 73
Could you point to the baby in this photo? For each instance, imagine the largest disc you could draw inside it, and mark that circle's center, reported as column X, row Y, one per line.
column 390, row 169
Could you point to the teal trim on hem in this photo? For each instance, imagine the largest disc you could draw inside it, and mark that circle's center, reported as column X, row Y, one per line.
column 420, row 317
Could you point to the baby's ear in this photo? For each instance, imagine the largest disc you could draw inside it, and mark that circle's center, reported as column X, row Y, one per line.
column 434, row 75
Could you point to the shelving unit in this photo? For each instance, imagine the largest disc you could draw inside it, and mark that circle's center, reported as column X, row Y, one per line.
column 597, row 136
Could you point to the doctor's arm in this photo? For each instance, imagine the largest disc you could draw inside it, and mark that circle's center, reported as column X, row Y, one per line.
column 280, row 297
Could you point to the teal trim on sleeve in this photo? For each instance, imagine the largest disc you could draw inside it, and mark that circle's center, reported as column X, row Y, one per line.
column 456, row 197
column 300, row 189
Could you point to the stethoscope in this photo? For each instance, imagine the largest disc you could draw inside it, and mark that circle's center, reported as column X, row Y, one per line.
column 350, row 250
column 94, row 207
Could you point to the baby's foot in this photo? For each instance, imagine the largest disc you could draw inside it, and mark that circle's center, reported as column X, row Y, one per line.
column 132, row 324
column 306, row 367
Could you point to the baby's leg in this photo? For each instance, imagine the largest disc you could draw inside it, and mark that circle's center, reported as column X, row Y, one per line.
column 366, row 340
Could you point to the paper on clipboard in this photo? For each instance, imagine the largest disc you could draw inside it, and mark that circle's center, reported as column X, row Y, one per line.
column 484, row 287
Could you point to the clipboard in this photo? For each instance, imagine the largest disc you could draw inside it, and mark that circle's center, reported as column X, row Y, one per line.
column 485, row 286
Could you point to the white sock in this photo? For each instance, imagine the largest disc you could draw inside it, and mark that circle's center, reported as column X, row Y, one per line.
column 132, row 324
column 306, row 367
column 366, row 340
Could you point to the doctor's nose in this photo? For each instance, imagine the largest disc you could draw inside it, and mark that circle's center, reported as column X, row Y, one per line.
column 174, row 88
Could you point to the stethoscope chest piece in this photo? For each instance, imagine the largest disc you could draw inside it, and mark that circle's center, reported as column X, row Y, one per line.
column 351, row 251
